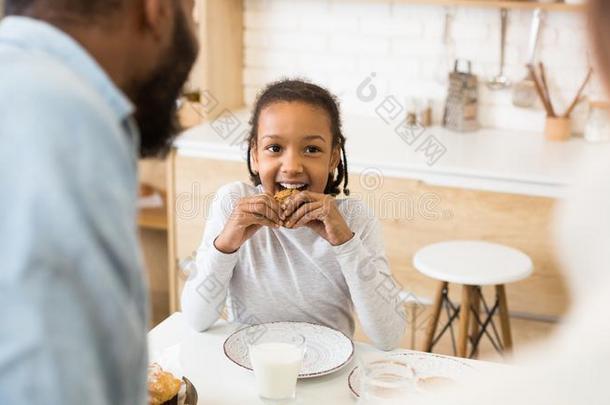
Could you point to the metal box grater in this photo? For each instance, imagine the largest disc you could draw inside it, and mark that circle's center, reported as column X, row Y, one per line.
column 461, row 106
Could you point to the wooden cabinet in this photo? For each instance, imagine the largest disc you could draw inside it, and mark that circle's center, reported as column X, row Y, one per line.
column 217, row 74
column 191, row 189
column 413, row 214
column 152, row 224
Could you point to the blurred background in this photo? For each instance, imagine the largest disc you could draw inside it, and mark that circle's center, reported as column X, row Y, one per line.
column 450, row 136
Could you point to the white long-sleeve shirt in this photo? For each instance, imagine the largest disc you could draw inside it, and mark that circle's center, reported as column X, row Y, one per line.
column 296, row 275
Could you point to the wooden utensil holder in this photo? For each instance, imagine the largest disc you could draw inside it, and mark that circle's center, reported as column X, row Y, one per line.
column 558, row 128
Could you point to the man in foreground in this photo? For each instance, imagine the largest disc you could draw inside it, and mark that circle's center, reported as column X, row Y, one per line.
column 85, row 87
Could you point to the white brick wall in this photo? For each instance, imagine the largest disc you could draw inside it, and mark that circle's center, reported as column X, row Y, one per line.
column 338, row 43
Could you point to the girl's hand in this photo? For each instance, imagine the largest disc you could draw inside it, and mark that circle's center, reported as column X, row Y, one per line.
column 318, row 212
column 248, row 216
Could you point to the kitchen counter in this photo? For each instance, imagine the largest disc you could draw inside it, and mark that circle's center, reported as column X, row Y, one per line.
column 489, row 159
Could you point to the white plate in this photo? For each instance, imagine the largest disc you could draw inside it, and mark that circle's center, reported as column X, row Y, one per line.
column 424, row 365
column 328, row 350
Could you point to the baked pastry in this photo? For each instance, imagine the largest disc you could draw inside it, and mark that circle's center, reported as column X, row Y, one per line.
column 163, row 387
column 282, row 195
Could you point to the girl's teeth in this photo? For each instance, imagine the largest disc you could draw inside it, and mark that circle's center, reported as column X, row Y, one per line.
column 292, row 185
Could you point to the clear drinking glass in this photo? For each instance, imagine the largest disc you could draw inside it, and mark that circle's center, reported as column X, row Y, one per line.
column 386, row 380
column 276, row 358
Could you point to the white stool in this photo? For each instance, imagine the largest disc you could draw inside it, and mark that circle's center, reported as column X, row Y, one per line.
column 472, row 264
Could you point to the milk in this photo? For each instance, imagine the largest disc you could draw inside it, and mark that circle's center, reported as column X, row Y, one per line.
column 276, row 367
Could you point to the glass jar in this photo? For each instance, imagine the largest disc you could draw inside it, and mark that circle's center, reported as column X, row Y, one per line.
column 386, row 380
column 597, row 128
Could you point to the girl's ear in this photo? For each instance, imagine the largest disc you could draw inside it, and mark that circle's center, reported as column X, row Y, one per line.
column 254, row 158
column 335, row 158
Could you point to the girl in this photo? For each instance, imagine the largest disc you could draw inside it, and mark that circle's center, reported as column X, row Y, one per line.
column 312, row 258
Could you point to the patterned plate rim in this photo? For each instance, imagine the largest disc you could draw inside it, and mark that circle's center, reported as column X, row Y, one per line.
column 351, row 374
column 308, row 375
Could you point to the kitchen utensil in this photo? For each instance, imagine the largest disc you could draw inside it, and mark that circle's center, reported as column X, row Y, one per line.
column 448, row 52
column 540, row 90
column 524, row 91
column 557, row 128
column 461, row 107
column 500, row 81
column 577, row 98
column 545, row 87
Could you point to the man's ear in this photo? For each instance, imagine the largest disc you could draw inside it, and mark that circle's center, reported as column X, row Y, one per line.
column 335, row 158
column 156, row 16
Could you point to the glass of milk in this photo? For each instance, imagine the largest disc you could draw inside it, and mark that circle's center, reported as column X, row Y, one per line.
column 276, row 359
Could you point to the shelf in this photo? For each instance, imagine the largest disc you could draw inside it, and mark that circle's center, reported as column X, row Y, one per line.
column 153, row 218
column 523, row 5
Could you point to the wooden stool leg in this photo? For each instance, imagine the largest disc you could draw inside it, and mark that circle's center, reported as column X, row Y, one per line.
column 476, row 314
column 507, row 339
column 436, row 312
column 464, row 321
column 413, row 311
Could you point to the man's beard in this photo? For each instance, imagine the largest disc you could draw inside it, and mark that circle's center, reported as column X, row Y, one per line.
column 155, row 97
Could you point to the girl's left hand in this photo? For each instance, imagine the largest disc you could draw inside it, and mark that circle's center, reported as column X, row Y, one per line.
column 318, row 212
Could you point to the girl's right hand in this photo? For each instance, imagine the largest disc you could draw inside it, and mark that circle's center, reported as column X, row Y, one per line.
column 248, row 216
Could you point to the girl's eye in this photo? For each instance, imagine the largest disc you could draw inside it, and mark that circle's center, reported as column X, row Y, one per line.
column 274, row 148
column 312, row 149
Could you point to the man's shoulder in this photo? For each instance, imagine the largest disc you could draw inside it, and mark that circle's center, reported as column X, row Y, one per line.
column 43, row 87
column 48, row 109
column 51, row 121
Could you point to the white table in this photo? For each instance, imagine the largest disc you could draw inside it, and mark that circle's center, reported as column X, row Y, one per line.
column 220, row 381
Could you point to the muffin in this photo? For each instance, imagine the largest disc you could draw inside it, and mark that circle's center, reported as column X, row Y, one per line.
column 163, row 387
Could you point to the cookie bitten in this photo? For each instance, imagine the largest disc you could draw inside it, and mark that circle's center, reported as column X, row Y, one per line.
column 283, row 195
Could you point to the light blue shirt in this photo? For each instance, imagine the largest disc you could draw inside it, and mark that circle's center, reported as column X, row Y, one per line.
column 73, row 302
